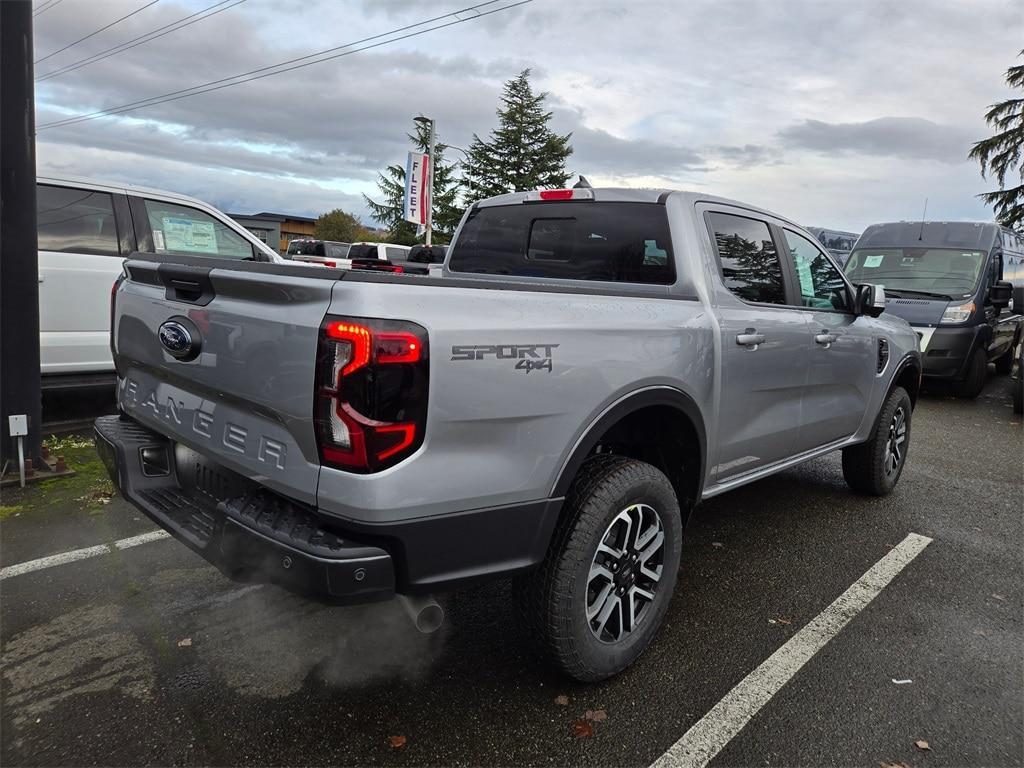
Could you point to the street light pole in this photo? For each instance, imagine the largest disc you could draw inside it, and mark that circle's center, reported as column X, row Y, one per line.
column 430, row 187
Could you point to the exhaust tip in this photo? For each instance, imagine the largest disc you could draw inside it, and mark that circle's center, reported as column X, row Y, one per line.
column 426, row 614
column 430, row 618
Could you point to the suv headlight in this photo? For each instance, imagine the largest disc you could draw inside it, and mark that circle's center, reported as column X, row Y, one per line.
column 958, row 313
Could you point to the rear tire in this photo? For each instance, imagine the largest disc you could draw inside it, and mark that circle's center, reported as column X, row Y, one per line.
column 875, row 467
column 1018, row 393
column 974, row 381
column 597, row 600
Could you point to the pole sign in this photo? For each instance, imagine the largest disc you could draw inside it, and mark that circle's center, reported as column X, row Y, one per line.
column 417, row 186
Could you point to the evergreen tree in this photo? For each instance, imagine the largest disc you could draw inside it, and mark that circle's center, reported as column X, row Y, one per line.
column 391, row 183
column 523, row 153
column 1003, row 153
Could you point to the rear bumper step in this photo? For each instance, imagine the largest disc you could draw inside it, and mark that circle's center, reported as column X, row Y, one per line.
column 251, row 535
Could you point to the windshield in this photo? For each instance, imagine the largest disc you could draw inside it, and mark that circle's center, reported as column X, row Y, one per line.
column 941, row 271
column 305, row 248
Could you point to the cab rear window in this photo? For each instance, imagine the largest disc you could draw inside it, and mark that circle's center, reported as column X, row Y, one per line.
column 612, row 242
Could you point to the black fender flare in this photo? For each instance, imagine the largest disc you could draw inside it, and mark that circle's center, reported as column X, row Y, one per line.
column 626, row 405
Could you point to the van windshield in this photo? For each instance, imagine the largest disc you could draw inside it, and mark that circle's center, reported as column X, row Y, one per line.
column 939, row 271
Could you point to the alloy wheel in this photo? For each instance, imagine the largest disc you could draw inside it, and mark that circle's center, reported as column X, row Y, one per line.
column 625, row 572
column 895, row 446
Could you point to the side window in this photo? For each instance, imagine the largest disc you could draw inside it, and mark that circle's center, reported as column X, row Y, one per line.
column 750, row 263
column 180, row 229
column 76, row 220
column 395, row 253
column 821, row 285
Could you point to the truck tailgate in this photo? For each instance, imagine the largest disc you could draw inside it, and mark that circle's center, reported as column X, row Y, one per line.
column 222, row 360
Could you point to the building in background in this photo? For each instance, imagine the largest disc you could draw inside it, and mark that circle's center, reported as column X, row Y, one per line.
column 276, row 229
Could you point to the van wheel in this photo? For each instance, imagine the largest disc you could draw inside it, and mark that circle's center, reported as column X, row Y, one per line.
column 875, row 467
column 599, row 597
column 1018, row 393
column 974, row 381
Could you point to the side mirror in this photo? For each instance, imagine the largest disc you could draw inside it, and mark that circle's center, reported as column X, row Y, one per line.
column 870, row 300
column 1000, row 293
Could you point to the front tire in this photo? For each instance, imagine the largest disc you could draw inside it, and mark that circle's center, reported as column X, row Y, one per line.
column 598, row 599
column 974, row 381
column 875, row 467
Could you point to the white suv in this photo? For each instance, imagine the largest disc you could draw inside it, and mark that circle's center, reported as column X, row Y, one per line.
column 86, row 229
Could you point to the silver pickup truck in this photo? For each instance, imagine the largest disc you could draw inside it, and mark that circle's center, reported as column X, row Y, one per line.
column 590, row 365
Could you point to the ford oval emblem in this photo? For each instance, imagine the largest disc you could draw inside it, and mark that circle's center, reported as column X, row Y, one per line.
column 179, row 340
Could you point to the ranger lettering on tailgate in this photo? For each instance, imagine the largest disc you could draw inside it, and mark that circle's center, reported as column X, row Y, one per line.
column 232, row 436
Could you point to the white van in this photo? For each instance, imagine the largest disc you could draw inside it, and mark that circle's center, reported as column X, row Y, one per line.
column 86, row 229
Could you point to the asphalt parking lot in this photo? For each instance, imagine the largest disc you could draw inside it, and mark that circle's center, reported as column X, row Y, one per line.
column 146, row 655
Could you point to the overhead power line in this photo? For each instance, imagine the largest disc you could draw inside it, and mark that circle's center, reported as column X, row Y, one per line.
column 393, row 36
column 101, row 29
column 141, row 39
column 45, row 6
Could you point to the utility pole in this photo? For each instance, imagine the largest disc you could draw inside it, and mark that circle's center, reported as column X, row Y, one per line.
column 430, row 174
column 19, row 258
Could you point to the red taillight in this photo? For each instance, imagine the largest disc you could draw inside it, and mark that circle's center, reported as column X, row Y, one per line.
column 357, row 353
column 330, row 264
column 371, row 393
column 556, row 194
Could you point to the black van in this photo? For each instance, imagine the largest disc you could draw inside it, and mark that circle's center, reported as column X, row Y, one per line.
column 952, row 281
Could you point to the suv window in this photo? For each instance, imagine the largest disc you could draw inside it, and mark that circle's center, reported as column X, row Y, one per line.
column 750, row 264
column 617, row 242
column 395, row 253
column 76, row 220
column 180, row 229
column 821, row 285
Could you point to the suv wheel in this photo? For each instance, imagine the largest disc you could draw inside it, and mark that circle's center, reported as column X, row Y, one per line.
column 875, row 467
column 599, row 597
column 974, row 381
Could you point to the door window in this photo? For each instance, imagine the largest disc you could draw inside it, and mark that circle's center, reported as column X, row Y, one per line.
column 750, row 263
column 821, row 286
column 180, row 229
column 76, row 220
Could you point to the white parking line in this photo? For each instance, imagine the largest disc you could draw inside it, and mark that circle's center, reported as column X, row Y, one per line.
column 79, row 554
column 711, row 733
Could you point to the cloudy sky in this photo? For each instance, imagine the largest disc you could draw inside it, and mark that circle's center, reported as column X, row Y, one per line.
column 831, row 112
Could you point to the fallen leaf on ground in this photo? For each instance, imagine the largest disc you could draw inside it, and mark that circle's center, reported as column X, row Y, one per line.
column 922, row 745
column 998, row 597
column 185, row 642
column 396, row 742
column 782, row 621
column 581, row 729
column 902, row 682
column 717, row 544
column 562, row 700
column 595, row 715
column 887, row 764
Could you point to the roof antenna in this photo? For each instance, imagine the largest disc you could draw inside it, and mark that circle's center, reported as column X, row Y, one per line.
column 582, row 183
column 920, row 235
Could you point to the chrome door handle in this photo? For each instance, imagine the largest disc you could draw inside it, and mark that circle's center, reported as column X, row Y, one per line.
column 750, row 338
column 825, row 338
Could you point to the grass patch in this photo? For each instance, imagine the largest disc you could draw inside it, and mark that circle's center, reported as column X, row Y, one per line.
column 10, row 511
column 89, row 490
